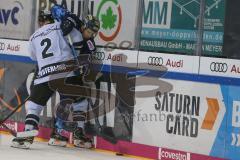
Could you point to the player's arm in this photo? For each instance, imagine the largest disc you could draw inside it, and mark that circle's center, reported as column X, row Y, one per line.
column 69, row 22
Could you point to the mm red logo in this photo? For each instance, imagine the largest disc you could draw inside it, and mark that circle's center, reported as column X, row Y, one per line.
column 110, row 14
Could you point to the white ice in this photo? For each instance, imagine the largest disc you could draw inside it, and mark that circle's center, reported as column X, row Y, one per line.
column 41, row 151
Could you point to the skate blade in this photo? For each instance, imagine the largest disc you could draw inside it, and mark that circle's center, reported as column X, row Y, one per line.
column 54, row 142
column 26, row 145
column 81, row 144
column 24, row 134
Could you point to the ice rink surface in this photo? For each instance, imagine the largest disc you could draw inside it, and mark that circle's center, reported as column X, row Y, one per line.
column 41, row 151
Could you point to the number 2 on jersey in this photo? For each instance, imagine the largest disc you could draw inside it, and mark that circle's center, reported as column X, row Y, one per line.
column 45, row 53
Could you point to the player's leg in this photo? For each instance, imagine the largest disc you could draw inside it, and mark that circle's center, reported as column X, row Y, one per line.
column 77, row 112
column 38, row 98
column 80, row 139
column 58, row 136
column 79, row 107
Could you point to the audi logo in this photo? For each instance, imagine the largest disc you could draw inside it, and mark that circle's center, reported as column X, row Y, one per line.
column 218, row 67
column 2, row 46
column 98, row 56
column 155, row 61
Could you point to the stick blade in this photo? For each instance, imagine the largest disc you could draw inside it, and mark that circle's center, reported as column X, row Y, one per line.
column 24, row 134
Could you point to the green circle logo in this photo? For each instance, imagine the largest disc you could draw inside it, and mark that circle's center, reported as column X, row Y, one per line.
column 110, row 14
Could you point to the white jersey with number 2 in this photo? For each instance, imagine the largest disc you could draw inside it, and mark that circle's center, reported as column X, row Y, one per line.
column 49, row 48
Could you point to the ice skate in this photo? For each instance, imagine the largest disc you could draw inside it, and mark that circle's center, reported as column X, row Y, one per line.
column 58, row 140
column 81, row 140
column 22, row 142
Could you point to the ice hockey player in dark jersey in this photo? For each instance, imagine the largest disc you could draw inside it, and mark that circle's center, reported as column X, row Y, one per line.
column 49, row 47
column 88, row 27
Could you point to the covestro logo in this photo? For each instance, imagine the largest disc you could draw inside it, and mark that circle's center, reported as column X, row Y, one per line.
column 172, row 155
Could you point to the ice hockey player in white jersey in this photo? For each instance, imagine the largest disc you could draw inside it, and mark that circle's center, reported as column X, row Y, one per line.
column 50, row 49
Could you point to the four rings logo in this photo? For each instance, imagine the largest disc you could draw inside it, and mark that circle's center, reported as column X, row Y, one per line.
column 155, row 61
column 2, row 46
column 218, row 67
column 98, row 56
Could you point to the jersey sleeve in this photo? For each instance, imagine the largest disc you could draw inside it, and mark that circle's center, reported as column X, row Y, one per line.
column 81, row 45
column 76, row 36
column 85, row 47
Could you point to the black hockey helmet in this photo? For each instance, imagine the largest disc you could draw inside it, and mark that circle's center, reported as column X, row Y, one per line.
column 45, row 16
column 92, row 23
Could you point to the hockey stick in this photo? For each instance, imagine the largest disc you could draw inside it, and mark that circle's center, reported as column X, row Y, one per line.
column 20, row 134
column 73, row 50
column 6, row 118
column 59, row 12
column 58, row 15
column 9, row 130
column 15, row 110
column 100, row 130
